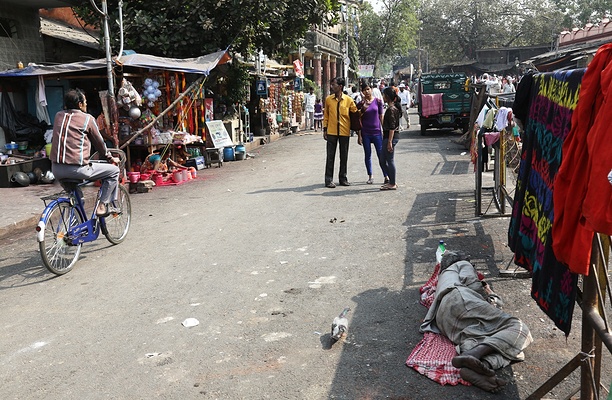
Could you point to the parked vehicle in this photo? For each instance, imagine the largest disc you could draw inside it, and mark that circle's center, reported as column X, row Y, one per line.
column 444, row 101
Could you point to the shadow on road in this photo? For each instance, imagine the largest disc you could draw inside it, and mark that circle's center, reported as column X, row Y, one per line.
column 385, row 323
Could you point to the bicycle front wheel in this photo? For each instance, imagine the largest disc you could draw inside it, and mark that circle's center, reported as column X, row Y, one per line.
column 115, row 227
column 58, row 254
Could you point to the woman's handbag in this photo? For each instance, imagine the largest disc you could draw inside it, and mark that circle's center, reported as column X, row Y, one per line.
column 355, row 120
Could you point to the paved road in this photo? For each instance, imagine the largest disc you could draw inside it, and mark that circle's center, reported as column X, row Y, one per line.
column 264, row 257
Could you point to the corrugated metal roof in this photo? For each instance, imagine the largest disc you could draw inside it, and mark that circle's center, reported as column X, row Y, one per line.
column 62, row 31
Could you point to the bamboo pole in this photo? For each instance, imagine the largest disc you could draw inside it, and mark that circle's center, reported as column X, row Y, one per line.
column 170, row 107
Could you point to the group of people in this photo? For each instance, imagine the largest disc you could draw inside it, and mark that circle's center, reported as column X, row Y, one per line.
column 497, row 84
column 379, row 126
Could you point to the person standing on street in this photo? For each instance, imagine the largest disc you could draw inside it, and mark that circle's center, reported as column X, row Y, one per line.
column 337, row 130
column 74, row 131
column 406, row 98
column 371, row 110
column 309, row 105
column 391, row 122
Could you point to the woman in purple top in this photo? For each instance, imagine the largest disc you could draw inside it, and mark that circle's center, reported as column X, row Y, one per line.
column 371, row 110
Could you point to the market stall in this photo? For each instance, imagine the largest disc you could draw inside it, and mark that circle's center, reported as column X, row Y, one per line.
column 155, row 110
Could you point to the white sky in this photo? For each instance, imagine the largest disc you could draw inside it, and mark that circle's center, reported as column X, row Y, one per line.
column 375, row 4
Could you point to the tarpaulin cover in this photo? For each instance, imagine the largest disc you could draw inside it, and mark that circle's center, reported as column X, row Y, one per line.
column 199, row 65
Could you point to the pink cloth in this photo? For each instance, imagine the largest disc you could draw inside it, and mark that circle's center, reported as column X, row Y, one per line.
column 432, row 357
column 432, row 104
column 491, row 137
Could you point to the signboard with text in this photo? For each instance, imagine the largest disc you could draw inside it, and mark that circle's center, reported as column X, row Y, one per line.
column 365, row 71
column 298, row 67
column 218, row 134
column 262, row 87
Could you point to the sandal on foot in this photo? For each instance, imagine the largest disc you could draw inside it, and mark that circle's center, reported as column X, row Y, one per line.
column 109, row 210
column 386, row 182
column 370, row 181
column 388, row 187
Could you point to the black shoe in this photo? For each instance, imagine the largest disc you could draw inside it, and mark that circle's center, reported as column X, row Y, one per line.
column 330, row 185
column 345, row 183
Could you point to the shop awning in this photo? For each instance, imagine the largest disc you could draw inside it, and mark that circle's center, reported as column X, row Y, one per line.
column 199, row 65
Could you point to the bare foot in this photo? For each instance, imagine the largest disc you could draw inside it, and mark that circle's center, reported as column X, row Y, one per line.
column 489, row 383
column 471, row 362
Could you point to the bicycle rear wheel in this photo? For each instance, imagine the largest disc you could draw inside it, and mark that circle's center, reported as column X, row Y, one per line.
column 115, row 227
column 58, row 254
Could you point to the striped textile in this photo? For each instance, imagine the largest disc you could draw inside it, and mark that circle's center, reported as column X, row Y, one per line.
column 433, row 354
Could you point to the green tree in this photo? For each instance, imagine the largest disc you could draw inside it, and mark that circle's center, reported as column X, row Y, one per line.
column 580, row 12
column 453, row 31
column 189, row 28
column 387, row 34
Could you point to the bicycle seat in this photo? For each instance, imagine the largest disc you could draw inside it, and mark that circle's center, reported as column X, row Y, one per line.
column 70, row 184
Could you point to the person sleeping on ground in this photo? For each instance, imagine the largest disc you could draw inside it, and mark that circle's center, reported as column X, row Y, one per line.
column 469, row 314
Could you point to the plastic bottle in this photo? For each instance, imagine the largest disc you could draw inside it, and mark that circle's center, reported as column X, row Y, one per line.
column 440, row 251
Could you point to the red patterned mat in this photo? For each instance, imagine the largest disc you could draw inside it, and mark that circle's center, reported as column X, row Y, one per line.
column 433, row 354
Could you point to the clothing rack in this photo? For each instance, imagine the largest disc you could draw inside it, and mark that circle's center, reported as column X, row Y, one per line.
column 596, row 328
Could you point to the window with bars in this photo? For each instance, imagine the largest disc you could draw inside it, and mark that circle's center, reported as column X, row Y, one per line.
column 8, row 28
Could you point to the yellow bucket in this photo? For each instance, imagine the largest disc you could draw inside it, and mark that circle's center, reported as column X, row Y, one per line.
column 48, row 149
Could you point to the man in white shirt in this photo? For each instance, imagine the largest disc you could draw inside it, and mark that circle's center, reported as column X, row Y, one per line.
column 356, row 94
column 309, row 103
column 405, row 97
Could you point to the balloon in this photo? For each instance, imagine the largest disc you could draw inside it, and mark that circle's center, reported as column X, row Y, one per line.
column 148, row 82
column 151, row 97
column 157, row 92
column 150, row 89
column 155, row 84
column 134, row 112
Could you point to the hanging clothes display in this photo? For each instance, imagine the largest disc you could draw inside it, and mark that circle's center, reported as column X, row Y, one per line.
column 544, row 103
column 583, row 195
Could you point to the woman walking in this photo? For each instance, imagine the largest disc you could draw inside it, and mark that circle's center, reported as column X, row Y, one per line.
column 371, row 110
column 391, row 122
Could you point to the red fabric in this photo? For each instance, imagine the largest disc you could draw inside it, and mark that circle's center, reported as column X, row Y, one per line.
column 432, row 356
column 582, row 194
column 432, row 104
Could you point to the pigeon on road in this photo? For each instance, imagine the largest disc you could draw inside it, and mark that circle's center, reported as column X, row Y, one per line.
column 339, row 326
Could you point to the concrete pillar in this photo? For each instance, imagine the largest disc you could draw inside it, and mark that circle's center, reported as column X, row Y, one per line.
column 333, row 69
column 326, row 77
column 317, row 68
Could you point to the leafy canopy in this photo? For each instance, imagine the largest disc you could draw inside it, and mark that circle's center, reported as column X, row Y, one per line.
column 190, row 28
column 388, row 33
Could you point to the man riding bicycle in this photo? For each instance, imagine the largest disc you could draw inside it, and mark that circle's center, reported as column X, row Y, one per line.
column 74, row 131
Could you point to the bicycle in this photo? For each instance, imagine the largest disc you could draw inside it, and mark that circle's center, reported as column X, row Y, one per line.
column 64, row 224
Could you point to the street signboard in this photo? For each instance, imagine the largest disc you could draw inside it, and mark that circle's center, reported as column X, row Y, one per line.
column 262, row 88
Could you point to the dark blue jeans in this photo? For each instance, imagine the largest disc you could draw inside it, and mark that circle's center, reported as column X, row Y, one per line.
column 376, row 140
column 388, row 157
column 334, row 141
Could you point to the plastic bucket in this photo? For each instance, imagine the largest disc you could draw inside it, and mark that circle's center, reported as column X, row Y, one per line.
column 158, row 179
column 145, row 177
column 133, row 176
column 240, row 148
column 240, row 155
column 193, row 172
column 177, row 176
column 185, row 175
column 228, row 154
